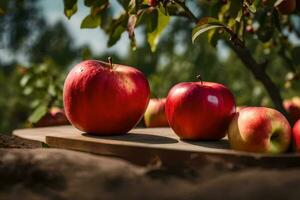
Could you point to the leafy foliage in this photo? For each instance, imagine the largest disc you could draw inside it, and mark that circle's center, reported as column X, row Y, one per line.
column 32, row 84
column 70, row 8
column 137, row 13
column 241, row 21
column 42, row 85
column 256, row 24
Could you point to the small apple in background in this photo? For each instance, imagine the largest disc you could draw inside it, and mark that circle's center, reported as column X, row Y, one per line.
column 260, row 130
column 54, row 117
column 200, row 110
column 152, row 3
column 105, row 98
column 292, row 106
column 155, row 113
column 296, row 136
column 250, row 29
column 286, row 7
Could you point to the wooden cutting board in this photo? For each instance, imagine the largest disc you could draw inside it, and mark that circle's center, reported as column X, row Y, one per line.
column 154, row 145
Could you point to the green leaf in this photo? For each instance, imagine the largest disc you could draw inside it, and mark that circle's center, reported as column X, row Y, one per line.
column 27, row 90
column 40, row 83
column 235, row 7
column 116, row 28
column 38, row 113
column 86, row 53
column 90, row 3
column 239, row 16
column 241, row 29
column 35, row 103
column 216, row 9
column 98, row 10
column 206, row 24
column 276, row 20
column 152, row 21
column 115, row 36
column 132, row 7
column 199, row 30
column 70, row 8
column 135, row 6
column 278, row 2
column 153, row 37
column 213, row 37
column 90, row 21
column 24, row 80
column 51, row 90
column 251, row 7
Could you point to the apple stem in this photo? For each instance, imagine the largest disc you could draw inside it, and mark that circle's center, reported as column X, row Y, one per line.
column 199, row 78
column 110, row 62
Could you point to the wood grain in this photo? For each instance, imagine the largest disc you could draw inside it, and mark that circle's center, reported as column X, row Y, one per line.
column 154, row 145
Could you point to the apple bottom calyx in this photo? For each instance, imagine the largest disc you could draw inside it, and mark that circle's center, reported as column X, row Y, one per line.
column 275, row 140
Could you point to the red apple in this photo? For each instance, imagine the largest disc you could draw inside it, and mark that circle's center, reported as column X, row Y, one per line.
column 259, row 129
column 286, row 7
column 152, row 3
column 105, row 98
column 292, row 106
column 200, row 110
column 54, row 117
column 155, row 113
column 296, row 136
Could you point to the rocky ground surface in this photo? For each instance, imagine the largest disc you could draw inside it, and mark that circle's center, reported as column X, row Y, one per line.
column 7, row 141
column 62, row 174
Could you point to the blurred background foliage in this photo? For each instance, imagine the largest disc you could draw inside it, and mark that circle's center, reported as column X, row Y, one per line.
column 28, row 88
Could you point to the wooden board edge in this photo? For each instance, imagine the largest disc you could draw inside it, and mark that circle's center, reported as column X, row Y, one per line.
column 170, row 157
column 19, row 133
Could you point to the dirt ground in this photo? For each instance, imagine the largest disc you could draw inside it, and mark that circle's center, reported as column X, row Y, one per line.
column 7, row 141
column 44, row 173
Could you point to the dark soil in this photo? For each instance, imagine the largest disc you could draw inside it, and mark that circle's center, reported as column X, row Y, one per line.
column 62, row 174
column 7, row 141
